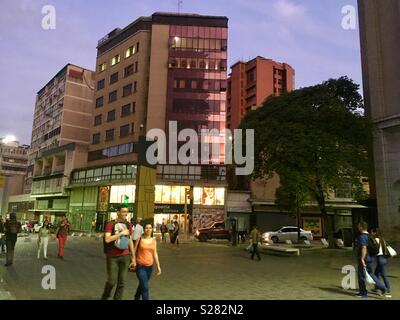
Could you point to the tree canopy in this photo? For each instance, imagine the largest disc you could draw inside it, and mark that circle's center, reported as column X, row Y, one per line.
column 317, row 134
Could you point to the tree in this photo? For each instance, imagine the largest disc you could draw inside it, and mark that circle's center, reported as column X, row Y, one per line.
column 291, row 196
column 319, row 133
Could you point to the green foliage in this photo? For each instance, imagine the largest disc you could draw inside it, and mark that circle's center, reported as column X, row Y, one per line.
column 317, row 133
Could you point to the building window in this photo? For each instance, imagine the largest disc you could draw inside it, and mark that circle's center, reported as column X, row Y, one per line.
column 130, row 51
column 112, row 96
column 194, row 84
column 111, row 115
column 100, row 84
column 137, row 47
column 128, row 71
column 97, row 120
column 193, row 64
column 96, row 138
column 127, row 90
column 183, row 64
column 99, row 102
column 110, row 152
column 135, row 86
column 126, row 110
column 115, row 60
column 102, row 67
column 132, row 128
column 124, row 131
column 114, row 78
column 136, row 66
column 110, row 135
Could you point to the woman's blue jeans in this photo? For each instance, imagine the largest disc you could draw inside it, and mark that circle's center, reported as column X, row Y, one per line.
column 380, row 271
column 143, row 273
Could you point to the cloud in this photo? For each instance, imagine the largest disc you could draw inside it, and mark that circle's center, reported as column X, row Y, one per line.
column 288, row 9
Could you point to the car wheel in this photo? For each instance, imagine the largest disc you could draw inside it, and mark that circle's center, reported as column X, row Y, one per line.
column 203, row 238
column 275, row 239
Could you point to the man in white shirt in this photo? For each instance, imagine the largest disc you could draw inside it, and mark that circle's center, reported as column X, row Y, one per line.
column 138, row 231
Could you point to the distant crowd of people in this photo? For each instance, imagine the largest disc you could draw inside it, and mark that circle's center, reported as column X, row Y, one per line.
column 131, row 247
column 10, row 229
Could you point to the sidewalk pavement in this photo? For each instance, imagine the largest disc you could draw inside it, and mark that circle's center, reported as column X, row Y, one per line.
column 4, row 293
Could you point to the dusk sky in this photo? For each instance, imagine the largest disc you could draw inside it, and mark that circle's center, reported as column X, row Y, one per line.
column 306, row 34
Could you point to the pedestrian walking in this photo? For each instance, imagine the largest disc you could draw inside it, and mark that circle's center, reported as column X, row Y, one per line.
column 11, row 228
column 171, row 228
column 164, row 231
column 43, row 239
column 176, row 233
column 138, row 231
column 2, row 236
column 382, row 261
column 120, row 254
column 366, row 253
column 146, row 257
column 255, row 240
column 62, row 234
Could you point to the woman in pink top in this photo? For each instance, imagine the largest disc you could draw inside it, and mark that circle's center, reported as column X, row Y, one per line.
column 146, row 256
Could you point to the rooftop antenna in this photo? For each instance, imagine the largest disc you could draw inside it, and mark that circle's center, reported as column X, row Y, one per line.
column 180, row 2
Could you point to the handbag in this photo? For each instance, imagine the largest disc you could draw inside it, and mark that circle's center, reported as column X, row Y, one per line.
column 368, row 277
column 391, row 251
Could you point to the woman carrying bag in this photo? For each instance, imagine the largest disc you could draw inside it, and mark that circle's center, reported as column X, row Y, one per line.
column 146, row 257
column 385, row 251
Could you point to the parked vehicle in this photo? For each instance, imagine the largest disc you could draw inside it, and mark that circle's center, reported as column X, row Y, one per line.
column 286, row 233
column 216, row 231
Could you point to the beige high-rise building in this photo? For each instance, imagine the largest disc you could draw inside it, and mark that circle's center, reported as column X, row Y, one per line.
column 167, row 67
column 60, row 138
column 161, row 68
column 380, row 46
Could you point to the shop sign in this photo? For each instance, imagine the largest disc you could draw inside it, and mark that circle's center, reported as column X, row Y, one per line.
column 171, row 208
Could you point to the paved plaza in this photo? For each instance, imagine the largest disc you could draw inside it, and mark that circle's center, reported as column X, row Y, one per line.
column 198, row 271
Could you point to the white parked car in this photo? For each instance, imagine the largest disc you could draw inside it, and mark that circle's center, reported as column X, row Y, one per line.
column 286, row 233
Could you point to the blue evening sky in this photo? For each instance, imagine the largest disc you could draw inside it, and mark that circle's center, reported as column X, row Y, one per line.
column 307, row 34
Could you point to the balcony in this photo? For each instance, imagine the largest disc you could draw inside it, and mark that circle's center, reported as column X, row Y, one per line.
column 59, row 169
column 49, row 186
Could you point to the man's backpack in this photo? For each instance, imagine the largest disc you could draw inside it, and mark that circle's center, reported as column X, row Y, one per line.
column 122, row 244
column 373, row 246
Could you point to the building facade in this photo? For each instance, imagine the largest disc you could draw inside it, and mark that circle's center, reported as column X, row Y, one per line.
column 60, row 138
column 250, row 83
column 159, row 69
column 379, row 30
column 13, row 158
column 13, row 168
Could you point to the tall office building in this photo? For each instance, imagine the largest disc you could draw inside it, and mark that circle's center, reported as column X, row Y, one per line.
column 380, row 46
column 167, row 67
column 162, row 68
column 60, row 137
column 250, row 83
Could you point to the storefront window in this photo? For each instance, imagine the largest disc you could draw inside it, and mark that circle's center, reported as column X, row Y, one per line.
column 175, row 194
column 118, row 194
column 166, row 194
column 209, row 196
column 158, row 194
